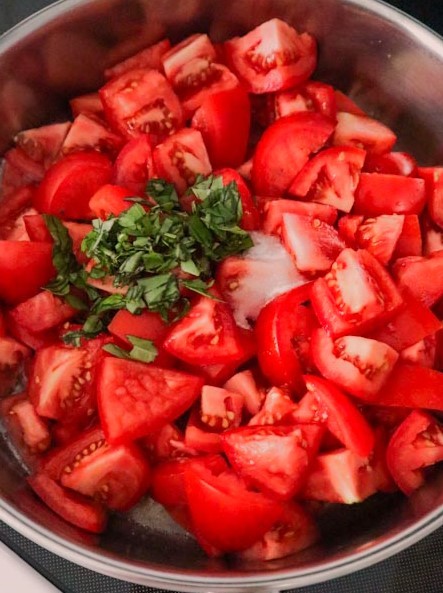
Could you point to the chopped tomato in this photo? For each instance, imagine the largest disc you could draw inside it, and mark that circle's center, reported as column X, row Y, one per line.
column 39, row 313
column 117, row 476
column 356, row 295
column 136, row 399
column 358, row 365
column 177, row 59
column 330, row 177
column 71, row 506
column 15, row 204
column 149, row 58
column 43, row 144
column 34, row 430
column 134, row 165
column 413, row 322
column 380, row 235
column 433, row 178
column 70, row 183
column 416, row 444
column 19, row 171
column 206, row 335
column 25, row 268
column 274, row 459
column 328, row 404
column 283, row 331
column 392, row 163
column 422, row 276
column 410, row 240
column 309, row 96
column 244, row 384
column 341, row 476
column 364, row 132
column 167, row 443
column 284, row 149
column 273, row 211
column 224, row 512
column 380, row 193
column 295, row 531
column 223, row 119
column 272, row 57
column 168, row 485
column 313, row 244
column 88, row 132
column 110, row 200
column 89, row 103
column 181, row 158
column 220, row 409
column 412, row 386
column 141, row 101
column 346, row 104
column 277, row 408
column 422, row 353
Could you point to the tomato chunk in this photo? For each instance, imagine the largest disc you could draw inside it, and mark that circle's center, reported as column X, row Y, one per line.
column 358, row 365
column 283, row 331
column 331, row 177
column 136, row 399
column 416, row 444
column 412, row 386
column 355, row 295
column 274, row 459
column 380, row 193
column 284, row 149
column 224, row 512
column 25, row 268
column 71, row 506
column 70, row 183
column 117, row 476
column 422, row 276
column 272, row 57
column 362, row 131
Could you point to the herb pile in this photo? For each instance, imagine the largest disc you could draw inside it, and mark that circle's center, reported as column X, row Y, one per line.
column 149, row 252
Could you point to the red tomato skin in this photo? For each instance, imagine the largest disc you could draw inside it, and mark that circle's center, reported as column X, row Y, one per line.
column 134, row 165
column 415, row 444
column 422, row 276
column 110, row 200
column 42, row 312
column 224, row 120
column 70, row 183
column 412, row 386
column 273, row 211
column 149, row 57
column 25, row 268
column 224, row 512
column 284, row 148
column 433, row 178
column 392, row 163
column 281, row 322
column 410, row 240
column 74, row 508
column 412, row 323
column 344, row 419
column 161, row 395
column 380, row 193
column 359, row 130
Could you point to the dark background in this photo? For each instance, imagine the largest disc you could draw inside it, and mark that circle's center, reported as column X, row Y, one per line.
column 416, row 570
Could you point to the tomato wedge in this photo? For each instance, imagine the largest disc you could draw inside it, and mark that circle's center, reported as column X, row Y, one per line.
column 71, row 506
column 284, row 149
column 25, row 268
column 136, row 399
column 325, row 403
column 283, row 331
column 70, row 183
column 416, row 444
column 206, row 335
column 274, row 459
column 272, row 57
column 224, row 512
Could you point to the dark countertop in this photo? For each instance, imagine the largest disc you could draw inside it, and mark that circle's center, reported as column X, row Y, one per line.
column 416, row 570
